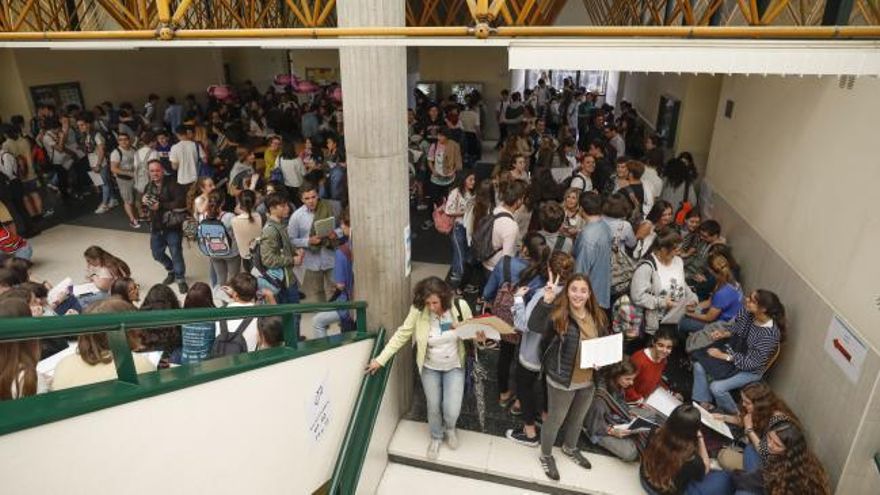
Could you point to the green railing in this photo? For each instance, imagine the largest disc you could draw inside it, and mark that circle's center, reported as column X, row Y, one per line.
column 354, row 448
column 40, row 409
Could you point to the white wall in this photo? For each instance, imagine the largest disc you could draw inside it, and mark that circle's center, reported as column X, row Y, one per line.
column 244, row 434
column 795, row 171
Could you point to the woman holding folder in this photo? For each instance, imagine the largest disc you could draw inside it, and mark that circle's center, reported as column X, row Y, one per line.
column 440, row 355
column 566, row 321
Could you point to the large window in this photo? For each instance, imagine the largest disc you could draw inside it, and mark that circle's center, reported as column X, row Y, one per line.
column 594, row 80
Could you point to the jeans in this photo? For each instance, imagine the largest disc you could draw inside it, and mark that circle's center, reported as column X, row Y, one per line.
column 290, row 295
column 225, row 268
column 688, row 325
column 460, row 254
column 25, row 252
column 720, row 389
column 714, row 483
column 85, row 300
column 444, row 391
column 569, row 407
column 322, row 321
column 623, row 448
column 172, row 240
column 106, row 190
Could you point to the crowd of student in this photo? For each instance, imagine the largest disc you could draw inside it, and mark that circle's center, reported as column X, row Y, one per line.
column 582, row 230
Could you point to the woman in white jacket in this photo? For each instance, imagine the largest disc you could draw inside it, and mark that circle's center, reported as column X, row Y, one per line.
column 658, row 284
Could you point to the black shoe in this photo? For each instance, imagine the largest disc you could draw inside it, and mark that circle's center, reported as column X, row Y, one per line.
column 169, row 279
column 520, row 437
column 182, row 287
column 548, row 464
column 577, row 457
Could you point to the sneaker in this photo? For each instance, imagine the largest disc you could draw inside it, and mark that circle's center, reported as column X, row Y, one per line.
column 520, row 437
column 548, row 464
column 48, row 213
column 427, row 225
column 134, row 224
column 102, row 209
column 112, row 204
column 577, row 457
column 452, row 439
column 168, row 279
column 182, row 287
column 434, row 449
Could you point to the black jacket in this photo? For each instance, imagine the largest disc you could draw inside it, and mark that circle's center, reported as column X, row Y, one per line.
column 171, row 196
column 560, row 354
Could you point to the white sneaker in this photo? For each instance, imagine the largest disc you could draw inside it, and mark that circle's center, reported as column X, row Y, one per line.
column 112, row 204
column 434, row 449
column 102, row 209
column 452, row 439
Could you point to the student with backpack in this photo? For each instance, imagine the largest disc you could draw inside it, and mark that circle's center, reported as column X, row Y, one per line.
column 551, row 217
column 216, row 240
column 237, row 336
column 513, row 271
column 496, row 235
column 343, row 275
column 94, row 144
column 592, row 250
column 273, row 254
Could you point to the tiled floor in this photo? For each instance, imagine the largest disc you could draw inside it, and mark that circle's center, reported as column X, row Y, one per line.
column 399, row 479
column 58, row 253
column 495, row 456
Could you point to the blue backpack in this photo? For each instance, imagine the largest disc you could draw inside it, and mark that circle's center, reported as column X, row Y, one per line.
column 213, row 239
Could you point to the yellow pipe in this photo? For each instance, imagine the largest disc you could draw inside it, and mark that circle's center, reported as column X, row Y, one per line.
column 181, row 11
column 733, row 32
column 164, row 11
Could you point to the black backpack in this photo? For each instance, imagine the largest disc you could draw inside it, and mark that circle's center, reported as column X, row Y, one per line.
column 257, row 260
column 228, row 344
column 481, row 246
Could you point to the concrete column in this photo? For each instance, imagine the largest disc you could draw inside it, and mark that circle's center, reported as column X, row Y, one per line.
column 374, row 110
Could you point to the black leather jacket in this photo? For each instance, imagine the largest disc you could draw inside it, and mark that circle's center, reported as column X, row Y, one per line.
column 560, row 352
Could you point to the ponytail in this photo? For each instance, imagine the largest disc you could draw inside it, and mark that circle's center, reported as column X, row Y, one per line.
column 770, row 303
column 539, row 254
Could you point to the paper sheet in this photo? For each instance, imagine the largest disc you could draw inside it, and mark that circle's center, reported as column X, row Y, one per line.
column 675, row 314
column 47, row 366
column 324, row 226
column 638, row 424
column 96, row 178
column 603, row 351
column 492, row 326
column 87, row 288
column 715, row 424
column 663, row 401
column 153, row 357
column 59, row 292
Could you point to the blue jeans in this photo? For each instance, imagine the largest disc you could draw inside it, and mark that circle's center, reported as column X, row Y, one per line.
column 85, row 300
column 460, row 253
column 322, row 321
column 173, row 241
column 714, row 483
column 106, row 188
column 25, row 252
column 688, row 325
column 751, row 463
column 720, row 389
column 444, row 391
column 290, row 295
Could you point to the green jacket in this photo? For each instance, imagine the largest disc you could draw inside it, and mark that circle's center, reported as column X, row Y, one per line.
column 418, row 322
column 276, row 250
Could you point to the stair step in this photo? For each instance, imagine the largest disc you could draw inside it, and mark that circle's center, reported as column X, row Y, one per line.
column 400, row 478
column 500, row 461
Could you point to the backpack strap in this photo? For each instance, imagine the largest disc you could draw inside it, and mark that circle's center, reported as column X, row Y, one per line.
column 243, row 326
column 560, row 242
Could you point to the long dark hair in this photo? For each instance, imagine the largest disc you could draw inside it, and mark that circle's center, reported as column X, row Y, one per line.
column 462, row 179
column 484, row 201
column 539, row 253
column 247, row 200
column 561, row 314
column 765, row 403
column 117, row 267
column 796, row 470
column 18, row 358
column 670, row 447
column 199, row 295
column 770, row 303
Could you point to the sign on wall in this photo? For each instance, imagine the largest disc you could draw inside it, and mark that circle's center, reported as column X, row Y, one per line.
column 60, row 95
column 845, row 348
column 318, row 411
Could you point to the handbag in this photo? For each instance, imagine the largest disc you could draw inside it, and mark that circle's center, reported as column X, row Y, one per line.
column 442, row 221
column 174, row 219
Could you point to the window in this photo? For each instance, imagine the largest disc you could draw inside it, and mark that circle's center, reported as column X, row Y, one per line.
column 594, row 80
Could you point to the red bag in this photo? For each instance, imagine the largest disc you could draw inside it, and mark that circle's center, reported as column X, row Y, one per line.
column 685, row 207
column 443, row 222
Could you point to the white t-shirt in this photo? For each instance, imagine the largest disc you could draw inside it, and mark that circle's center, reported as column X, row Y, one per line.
column 672, row 283
column 442, row 351
column 125, row 159
column 470, row 120
column 8, row 165
column 582, row 182
column 458, row 204
column 292, row 170
column 141, row 173
column 250, row 333
column 185, row 155
column 94, row 141
column 651, row 179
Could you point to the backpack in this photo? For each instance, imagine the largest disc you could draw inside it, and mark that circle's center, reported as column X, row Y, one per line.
column 228, row 344
column 213, row 238
column 560, row 243
column 626, row 318
column 622, row 268
column 442, row 221
column 502, row 305
column 482, row 246
column 512, row 113
column 257, row 260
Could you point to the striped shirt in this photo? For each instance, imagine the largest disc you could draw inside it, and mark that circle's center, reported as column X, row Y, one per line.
column 761, row 342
